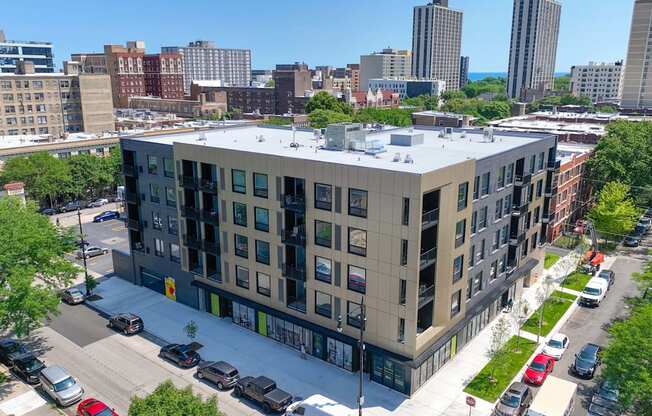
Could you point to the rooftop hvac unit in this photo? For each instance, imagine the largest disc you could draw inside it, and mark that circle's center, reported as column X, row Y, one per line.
column 408, row 159
column 397, row 157
column 488, row 134
column 448, row 133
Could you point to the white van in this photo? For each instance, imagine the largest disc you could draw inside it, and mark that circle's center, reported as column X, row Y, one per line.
column 594, row 291
column 555, row 398
column 318, row 405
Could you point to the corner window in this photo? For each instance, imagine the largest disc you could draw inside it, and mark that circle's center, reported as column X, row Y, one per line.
column 323, row 233
column 456, row 303
column 262, row 252
column 241, row 246
column 261, row 187
column 474, row 222
column 242, row 277
column 458, row 267
column 152, row 165
column 239, row 181
column 323, row 304
column 323, row 269
column 357, row 279
column 263, row 284
column 462, row 196
column 476, row 188
column 323, row 196
column 460, row 232
column 262, row 219
column 358, row 203
column 357, row 241
column 240, row 214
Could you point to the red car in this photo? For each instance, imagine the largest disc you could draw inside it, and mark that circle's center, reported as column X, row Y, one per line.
column 539, row 369
column 94, row 407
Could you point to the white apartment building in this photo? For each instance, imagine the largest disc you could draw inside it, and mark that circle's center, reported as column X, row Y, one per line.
column 598, row 80
column 388, row 63
column 637, row 70
column 408, row 88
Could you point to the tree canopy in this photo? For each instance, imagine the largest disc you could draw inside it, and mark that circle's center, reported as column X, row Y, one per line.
column 484, row 110
column 560, row 100
column 389, row 116
column 168, row 400
column 319, row 119
column 486, row 85
column 425, row 102
column 562, row 83
column 615, row 213
column 325, row 101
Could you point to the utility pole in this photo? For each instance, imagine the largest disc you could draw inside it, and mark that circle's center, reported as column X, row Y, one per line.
column 83, row 248
column 363, row 320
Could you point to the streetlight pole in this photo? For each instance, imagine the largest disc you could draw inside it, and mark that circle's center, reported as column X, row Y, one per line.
column 83, row 248
column 362, row 317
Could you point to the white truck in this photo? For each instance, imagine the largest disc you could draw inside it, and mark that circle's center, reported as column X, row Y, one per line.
column 318, row 405
column 555, row 398
column 594, row 291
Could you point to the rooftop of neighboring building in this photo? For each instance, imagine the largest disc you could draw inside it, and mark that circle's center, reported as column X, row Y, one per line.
column 435, row 153
column 26, row 140
column 432, row 113
column 567, row 151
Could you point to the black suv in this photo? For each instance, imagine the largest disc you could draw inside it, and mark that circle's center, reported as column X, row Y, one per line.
column 263, row 391
column 185, row 356
column 128, row 323
column 587, row 361
column 28, row 367
column 10, row 349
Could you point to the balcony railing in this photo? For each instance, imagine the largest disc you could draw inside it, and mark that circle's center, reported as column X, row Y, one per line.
column 520, row 208
column 130, row 170
column 548, row 217
column 190, row 212
column 131, row 197
column 522, row 179
column 208, row 185
column 428, row 257
column 133, row 224
column 426, row 294
column 210, row 216
column 212, row 247
column 517, row 239
column 295, row 235
column 294, row 202
column 188, row 181
column 192, row 241
column 294, row 272
column 429, row 218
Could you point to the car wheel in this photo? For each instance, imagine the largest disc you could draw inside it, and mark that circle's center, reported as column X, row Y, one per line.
column 220, row 385
column 266, row 408
column 200, row 375
column 237, row 392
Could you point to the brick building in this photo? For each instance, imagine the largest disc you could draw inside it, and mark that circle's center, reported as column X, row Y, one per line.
column 163, row 74
column 125, row 66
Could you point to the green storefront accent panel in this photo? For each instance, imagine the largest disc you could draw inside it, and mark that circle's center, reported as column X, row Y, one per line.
column 454, row 345
column 215, row 304
column 262, row 323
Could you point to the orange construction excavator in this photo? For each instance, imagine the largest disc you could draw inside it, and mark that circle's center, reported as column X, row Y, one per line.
column 593, row 258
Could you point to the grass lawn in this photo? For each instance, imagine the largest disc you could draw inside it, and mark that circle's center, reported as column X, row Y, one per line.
column 550, row 260
column 576, row 281
column 505, row 368
column 555, row 307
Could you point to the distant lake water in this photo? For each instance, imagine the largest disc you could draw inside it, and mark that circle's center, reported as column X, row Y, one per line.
column 476, row 76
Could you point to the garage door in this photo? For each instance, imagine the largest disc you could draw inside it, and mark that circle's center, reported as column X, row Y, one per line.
column 152, row 280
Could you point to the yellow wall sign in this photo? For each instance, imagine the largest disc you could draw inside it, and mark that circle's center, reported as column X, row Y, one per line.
column 170, row 288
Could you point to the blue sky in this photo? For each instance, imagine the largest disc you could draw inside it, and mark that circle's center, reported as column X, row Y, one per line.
column 332, row 32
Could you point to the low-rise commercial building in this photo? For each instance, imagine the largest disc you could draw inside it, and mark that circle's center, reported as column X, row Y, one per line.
column 207, row 104
column 601, row 82
column 74, row 144
column 287, row 234
column 441, row 119
column 408, row 88
column 373, row 99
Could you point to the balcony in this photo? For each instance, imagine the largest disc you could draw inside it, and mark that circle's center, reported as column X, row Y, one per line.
column 210, row 216
column 294, row 272
column 550, row 191
column 548, row 217
column 212, row 247
column 190, row 212
column 293, row 202
column 131, row 197
column 188, row 181
column 208, row 185
column 295, row 235
column 428, row 258
column 426, row 294
column 522, row 179
column 430, row 218
column 130, row 170
column 133, row 224
column 192, row 241
column 520, row 208
column 516, row 240
column 553, row 164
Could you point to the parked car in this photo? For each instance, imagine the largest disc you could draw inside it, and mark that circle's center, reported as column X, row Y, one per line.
column 223, row 374
column 183, row 355
column 81, row 243
column 48, row 211
column 10, row 349
column 609, row 276
column 94, row 407
column 317, row 405
column 106, row 216
column 263, row 391
column 71, row 206
column 72, row 296
column 98, row 203
column 515, row 401
column 604, row 401
column 539, row 369
column 587, row 361
column 648, row 213
column 646, row 221
column 640, row 230
column 594, row 291
column 91, row 251
column 556, row 346
column 632, row 241
column 28, row 367
column 60, row 386
column 128, row 323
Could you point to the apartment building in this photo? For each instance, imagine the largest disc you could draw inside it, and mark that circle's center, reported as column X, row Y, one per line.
column 286, row 234
column 13, row 51
column 202, row 60
column 125, row 67
column 407, row 88
column 91, row 63
column 533, row 49
column 54, row 103
column 601, row 82
column 636, row 94
column 388, row 63
column 163, row 75
column 292, row 84
column 437, row 42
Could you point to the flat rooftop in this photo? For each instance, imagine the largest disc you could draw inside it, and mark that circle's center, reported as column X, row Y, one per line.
column 11, row 142
column 435, row 153
column 567, row 151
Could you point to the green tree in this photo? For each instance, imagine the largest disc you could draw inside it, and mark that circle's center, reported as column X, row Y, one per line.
column 91, row 175
column 452, row 95
column 168, row 400
column 494, row 110
column 270, row 84
column 424, row 102
column 324, row 101
column 606, row 108
column 615, row 213
column 627, row 360
column 390, row 116
column 486, row 85
column 32, row 266
column 191, row 330
column 113, row 164
column 500, row 334
column 319, row 119
column 562, row 83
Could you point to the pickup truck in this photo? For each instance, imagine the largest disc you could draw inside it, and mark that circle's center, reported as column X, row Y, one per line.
column 263, row 391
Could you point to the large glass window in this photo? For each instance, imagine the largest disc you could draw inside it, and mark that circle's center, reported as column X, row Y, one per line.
column 357, row 241
column 241, row 246
column 261, row 187
column 170, row 197
column 323, row 233
column 264, row 284
column 239, row 181
column 323, row 196
column 323, row 304
column 168, row 167
column 357, row 279
column 262, row 219
column 242, row 277
column 154, row 193
column 462, row 196
column 152, row 165
column 353, row 314
column 240, row 214
column 323, row 269
column 456, row 300
column 262, row 252
column 458, row 265
column 460, row 232
column 159, row 247
column 358, row 203
column 485, row 183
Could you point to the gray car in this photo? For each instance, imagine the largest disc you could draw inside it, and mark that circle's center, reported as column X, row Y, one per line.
column 515, row 401
column 72, row 296
column 60, row 386
column 223, row 374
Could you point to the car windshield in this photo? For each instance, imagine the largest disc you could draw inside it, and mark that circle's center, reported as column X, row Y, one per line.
column 608, row 393
column 32, row 364
column 233, row 373
column 64, row 384
column 104, row 412
column 538, row 366
column 74, row 292
column 510, row 400
column 554, row 343
column 587, row 354
column 13, row 347
column 592, row 291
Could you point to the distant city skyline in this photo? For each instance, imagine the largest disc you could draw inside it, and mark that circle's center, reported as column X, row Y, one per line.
column 282, row 32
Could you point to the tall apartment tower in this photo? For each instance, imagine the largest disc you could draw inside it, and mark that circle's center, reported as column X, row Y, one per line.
column 533, row 50
column 388, row 63
column 637, row 73
column 464, row 71
column 436, row 43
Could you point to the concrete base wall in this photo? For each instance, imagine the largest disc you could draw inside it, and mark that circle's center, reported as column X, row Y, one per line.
column 123, row 266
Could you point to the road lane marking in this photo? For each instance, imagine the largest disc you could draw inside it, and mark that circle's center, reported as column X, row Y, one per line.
column 22, row 404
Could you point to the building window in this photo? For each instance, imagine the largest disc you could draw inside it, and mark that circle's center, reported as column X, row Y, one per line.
column 159, row 247
column 456, row 303
column 358, row 203
column 507, row 206
column 533, row 162
column 484, row 214
column 499, row 210
column 240, row 214
column 494, row 271
column 263, row 284
column 476, row 188
column 323, row 269
column 539, row 188
column 323, row 233
column 500, row 181
column 505, row 235
column 458, row 268
column 173, row 225
column 509, row 176
column 406, row 211
column 402, row 291
column 262, row 252
column 152, row 165
column 485, row 183
column 357, row 241
column 170, row 197
column 262, row 219
column 353, row 314
column 472, row 256
column 541, row 160
column 168, row 167
column 241, row 246
column 242, row 277
column 502, row 264
column 239, row 181
column 474, row 222
column 462, row 196
column 357, row 279
column 157, row 222
column 401, row 329
column 261, row 187
column 404, row 252
column 537, row 214
column 496, row 241
column 481, row 252
column 323, row 196
column 460, row 232
column 323, row 304
column 175, row 253
column 154, row 191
